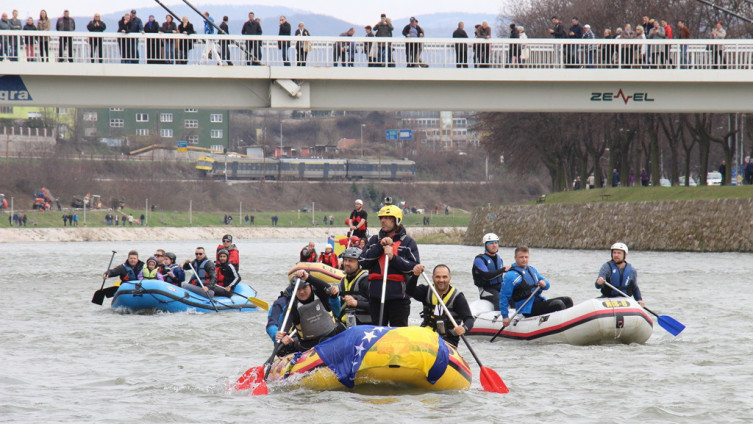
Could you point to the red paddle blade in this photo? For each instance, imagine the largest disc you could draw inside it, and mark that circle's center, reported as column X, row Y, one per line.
column 252, row 377
column 492, row 382
column 261, row 389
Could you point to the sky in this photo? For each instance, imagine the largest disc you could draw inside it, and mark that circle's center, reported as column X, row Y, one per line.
column 359, row 12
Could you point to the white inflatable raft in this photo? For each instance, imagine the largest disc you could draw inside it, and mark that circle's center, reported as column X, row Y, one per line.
column 593, row 322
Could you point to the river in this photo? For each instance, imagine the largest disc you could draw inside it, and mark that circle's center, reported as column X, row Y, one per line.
column 65, row 359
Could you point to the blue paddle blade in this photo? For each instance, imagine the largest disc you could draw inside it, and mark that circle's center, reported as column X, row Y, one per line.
column 670, row 324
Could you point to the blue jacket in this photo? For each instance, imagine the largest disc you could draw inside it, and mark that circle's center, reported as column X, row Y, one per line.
column 626, row 280
column 277, row 313
column 511, row 280
column 180, row 275
column 208, row 28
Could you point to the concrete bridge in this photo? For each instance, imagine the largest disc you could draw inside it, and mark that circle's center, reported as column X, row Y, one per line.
column 339, row 73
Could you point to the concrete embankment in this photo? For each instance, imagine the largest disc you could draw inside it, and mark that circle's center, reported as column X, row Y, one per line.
column 720, row 225
column 27, row 234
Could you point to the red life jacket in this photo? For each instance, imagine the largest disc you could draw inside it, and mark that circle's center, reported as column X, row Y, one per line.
column 390, row 277
column 330, row 259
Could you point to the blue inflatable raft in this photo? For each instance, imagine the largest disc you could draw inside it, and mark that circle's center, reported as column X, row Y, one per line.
column 155, row 295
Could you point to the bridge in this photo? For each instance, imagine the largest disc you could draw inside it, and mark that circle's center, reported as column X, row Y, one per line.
column 534, row 75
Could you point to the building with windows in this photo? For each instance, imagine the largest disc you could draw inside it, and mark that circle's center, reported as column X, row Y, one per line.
column 446, row 130
column 204, row 128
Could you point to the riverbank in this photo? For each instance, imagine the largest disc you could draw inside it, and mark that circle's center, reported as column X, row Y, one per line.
column 77, row 234
column 715, row 225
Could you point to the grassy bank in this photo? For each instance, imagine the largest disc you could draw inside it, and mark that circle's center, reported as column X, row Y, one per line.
column 96, row 218
column 650, row 194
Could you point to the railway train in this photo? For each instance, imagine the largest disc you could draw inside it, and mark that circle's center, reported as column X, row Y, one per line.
column 300, row 169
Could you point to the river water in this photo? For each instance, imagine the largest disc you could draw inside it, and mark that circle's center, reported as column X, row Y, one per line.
column 64, row 359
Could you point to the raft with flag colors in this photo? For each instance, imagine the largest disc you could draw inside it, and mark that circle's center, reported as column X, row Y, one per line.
column 319, row 270
column 365, row 355
column 593, row 322
column 156, row 295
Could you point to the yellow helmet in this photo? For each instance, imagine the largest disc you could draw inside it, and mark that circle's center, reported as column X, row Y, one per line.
column 393, row 211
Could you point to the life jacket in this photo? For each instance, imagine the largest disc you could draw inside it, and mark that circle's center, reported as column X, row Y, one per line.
column 433, row 311
column 310, row 258
column 202, row 273
column 390, row 277
column 330, row 259
column 524, row 289
column 149, row 275
column 623, row 281
column 130, row 273
column 168, row 278
column 492, row 263
column 316, row 320
column 350, row 287
column 219, row 277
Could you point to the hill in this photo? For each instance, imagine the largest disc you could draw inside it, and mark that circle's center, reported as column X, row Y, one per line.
column 435, row 25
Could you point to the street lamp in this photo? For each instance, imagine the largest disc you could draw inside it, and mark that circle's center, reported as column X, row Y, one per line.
column 362, row 125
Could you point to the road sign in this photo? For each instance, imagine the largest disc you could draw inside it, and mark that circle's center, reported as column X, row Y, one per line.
column 182, row 146
column 406, row 134
column 391, row 135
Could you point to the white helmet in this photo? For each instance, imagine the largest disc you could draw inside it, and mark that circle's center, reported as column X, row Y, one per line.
column 620, row 246
column 490, row 237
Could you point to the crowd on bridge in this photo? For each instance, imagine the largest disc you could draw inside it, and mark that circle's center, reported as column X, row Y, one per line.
column 479, row 54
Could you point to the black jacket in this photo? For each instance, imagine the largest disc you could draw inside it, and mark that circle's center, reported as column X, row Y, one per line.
column 402, row 263
column 94, row 27
column 251, row 28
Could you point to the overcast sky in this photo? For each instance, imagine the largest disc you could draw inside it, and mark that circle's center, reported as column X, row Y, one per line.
column 359, row 12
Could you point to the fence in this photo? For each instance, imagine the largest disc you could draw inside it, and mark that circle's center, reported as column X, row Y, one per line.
column 176, row 49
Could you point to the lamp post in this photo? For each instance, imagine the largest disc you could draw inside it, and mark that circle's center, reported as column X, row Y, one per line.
column 362, row 125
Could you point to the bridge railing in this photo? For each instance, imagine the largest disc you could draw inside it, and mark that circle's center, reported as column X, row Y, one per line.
column 176, row 49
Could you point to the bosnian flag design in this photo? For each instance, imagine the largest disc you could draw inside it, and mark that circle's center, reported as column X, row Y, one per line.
column 367, row 346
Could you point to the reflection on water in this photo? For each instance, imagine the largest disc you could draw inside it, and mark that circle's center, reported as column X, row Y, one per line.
column 68, row 360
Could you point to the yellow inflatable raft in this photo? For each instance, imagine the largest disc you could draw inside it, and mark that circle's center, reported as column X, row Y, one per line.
column 365, row 355
column 319, row 270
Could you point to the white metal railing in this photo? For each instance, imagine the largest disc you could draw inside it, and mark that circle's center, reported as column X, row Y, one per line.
column 77, row 47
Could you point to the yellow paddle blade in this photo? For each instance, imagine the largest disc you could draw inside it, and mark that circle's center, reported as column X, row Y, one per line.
column 258, row 302
column 117, row 284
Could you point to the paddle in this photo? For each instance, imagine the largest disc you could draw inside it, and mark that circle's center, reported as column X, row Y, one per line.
column 384, row 287
column 99, row 295
column 258, row 302
column 202, row 286
column 261, row 372
column 666, row 322
column 538, row 289
column 490, row 380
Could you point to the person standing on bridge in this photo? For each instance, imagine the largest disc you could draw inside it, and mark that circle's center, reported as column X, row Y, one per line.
column 284, row 46
column 136, row 27
column 152, row 44
column 461, row 49
column 67, row 24
column 29, row 41
column 483, row 32
column 169, row 27
column 224, row 44
column 413, row 49
column 718, row 33
column 14, row 24
column 253, row 48
column 384, row 28
column 124, row 27
column 302, row 48
column 95, row 43
column 184, row 46
column 43, row 24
